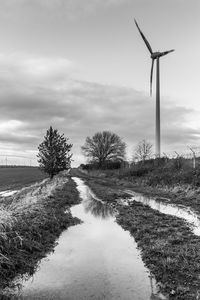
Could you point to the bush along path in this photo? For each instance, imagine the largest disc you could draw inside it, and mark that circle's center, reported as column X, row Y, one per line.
column 168, row 247
column 30, row 223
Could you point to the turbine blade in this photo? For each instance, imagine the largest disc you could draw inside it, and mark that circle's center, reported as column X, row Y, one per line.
column 151, row 77
column 144, row 38
column 166, row 52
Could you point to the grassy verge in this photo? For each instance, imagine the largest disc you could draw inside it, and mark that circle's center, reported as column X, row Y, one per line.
column 31, row 222
column 168, row 247
column 179, row 194
column 111, row 194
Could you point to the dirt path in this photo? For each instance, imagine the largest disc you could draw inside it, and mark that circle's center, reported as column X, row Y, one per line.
column 96, row 259
column 185, row 195
column 169, row 248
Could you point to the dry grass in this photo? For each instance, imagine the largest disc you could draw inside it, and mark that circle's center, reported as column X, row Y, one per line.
column 30, row 222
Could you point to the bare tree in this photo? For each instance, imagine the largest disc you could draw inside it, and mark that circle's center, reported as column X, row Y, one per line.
column 104, row 146
column 143, row 151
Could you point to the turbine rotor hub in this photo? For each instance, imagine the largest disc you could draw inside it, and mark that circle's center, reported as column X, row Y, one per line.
column 156, row 55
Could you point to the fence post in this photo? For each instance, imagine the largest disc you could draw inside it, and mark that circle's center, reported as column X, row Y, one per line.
column 194, row 157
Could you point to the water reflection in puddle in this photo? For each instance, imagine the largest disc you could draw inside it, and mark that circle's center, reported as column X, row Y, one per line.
column 93, row 205
column 7, row 193
column 170, row 209
column 93, row 260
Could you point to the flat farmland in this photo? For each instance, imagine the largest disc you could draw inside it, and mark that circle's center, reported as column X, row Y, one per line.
column 18, row 177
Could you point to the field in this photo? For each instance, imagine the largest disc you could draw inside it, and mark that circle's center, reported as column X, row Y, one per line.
column 18, row 177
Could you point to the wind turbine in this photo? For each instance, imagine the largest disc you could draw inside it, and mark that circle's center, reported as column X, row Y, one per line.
column 155, row 56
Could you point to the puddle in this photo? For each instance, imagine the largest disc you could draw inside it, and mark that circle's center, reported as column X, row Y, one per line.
column 96, row 259
column 170, row 209
column 7, row 193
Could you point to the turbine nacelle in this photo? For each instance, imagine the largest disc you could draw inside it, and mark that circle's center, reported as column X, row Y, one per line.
column 155, row 55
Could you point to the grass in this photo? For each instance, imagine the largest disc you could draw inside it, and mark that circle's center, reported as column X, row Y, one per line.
column 180, row 194
column 16, row 178
column 168, row 247
column 30, row 224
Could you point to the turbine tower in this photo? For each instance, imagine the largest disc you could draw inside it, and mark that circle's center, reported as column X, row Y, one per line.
column 155, row 56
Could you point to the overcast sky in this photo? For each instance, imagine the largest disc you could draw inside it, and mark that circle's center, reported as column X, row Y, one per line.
column 82, row 67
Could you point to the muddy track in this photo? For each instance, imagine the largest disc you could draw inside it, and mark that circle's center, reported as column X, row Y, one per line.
column 179, row 195
column 169, row 248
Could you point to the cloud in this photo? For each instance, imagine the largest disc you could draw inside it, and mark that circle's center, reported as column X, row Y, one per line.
column 38, row 92
column 37, row 68
column 69, row 8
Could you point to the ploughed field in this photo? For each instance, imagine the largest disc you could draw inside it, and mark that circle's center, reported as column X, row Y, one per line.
column 18, row 177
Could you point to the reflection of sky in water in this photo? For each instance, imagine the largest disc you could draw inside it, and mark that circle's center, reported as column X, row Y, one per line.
column 169, row 209
column 7, row 193
column 96, row 259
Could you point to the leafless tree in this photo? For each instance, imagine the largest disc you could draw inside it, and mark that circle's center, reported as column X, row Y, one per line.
column 143, row 151
column 104, row 146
